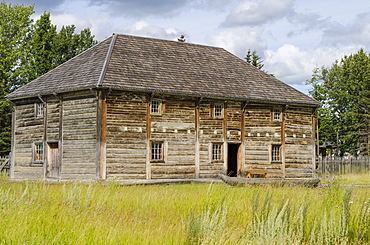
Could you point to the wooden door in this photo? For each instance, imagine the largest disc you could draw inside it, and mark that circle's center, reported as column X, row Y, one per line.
column 53, row 163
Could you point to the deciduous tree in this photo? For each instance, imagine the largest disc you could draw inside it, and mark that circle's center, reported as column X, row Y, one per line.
column 15, row 23
column 344, row 91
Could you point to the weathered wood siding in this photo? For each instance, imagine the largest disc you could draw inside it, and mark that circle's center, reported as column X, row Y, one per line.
column 211, row 131
column 233, row 117
column 187, row 127
column 52, row 115
column 260, row 133
column 78, row 145
column 79, row 135
column 126, row 135
column 299, row 142
column 176, row 128
column 28, row 129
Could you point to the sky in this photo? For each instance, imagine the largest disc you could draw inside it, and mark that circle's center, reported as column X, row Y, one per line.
column 293, row 37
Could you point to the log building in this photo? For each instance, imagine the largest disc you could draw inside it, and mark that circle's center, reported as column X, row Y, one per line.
column 143, row 108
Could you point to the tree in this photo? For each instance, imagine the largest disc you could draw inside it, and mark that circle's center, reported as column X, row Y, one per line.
column 41, row 47
column 27, row 51
column 15, row 25
column 253, row 59
column 67, row 44
column 344, row 91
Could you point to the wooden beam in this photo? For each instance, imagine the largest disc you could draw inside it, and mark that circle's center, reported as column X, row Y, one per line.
column 12, row 153
column 102, row 135
column 242, row 140
column 60, row 144
column 282, row 148
column 315, row 141
column 45, row 136
column 197, row 145
column 148, row 136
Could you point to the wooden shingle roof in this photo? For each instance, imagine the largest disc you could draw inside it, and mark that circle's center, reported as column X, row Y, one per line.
column 153, row 65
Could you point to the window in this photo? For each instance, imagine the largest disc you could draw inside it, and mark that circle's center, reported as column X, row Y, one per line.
column 39, row 110
column 218, row 110
column 156, row 107
column 38, row 152
column 275, row 153
column 217, row 152
column 276, row 114
column 157, row 151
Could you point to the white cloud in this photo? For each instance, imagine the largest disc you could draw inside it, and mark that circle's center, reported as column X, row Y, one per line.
column 69, row 19
column 294, row 66
column 252, row 12
column 142, row 8
column 239, row 40
column 355, row 33
column 143, row 28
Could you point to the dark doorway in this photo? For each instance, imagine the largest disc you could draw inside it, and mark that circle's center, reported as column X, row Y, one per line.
column 53, row 166
column 232, row 159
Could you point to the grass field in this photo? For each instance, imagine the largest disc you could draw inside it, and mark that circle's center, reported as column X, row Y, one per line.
column 77, row 213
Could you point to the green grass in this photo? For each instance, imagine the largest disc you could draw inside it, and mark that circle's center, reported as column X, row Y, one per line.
column 76, row 213
column 348, row 179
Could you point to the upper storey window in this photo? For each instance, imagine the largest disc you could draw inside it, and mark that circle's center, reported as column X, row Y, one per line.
column 156, row 107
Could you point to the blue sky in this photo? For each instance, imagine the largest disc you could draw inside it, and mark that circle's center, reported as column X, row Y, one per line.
column 292, row 36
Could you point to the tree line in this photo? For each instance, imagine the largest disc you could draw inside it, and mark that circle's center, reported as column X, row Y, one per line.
column 29, row 49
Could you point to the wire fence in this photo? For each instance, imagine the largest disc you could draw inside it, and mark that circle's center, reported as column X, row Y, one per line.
column 342, row 165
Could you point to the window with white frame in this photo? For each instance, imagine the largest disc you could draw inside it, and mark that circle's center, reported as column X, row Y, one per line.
column 276, row 114
column 38, row 152
column 157, row 151
column 39, row 109
column 275, row 153
column 217, row 152
column 218, row 110
column 156, row 107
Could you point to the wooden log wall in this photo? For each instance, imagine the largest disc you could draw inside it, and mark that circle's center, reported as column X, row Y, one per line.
column 126, row 135
column 79, row 135
column 299, row 142
column 261, row 131
column 187, row 127
column 28, row 129
column 211, row 131
column 176, row 128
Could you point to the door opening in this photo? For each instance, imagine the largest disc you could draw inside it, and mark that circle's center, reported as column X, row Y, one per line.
column 53, row 163
column 232, row 159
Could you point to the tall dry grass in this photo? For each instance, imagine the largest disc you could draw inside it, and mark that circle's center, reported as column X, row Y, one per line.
column 77, row 213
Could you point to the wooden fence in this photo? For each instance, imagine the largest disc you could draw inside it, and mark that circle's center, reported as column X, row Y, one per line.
column 342, row 165
column 4, row 163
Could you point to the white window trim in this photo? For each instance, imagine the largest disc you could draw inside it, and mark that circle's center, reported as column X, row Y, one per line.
column 160, row 107
column 39, row 110
column 271, row 153
column 163, row 153
column 222, row 110
column 34, row 153
column 211, row 151
column 276, row 114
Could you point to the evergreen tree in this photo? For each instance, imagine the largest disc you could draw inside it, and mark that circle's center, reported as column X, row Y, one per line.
column 253, row 59
column 344, row 91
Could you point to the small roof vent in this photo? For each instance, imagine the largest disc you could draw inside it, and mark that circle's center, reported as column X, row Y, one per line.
column 181, row 39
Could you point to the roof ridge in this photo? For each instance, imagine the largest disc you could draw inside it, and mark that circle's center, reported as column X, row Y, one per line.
column 168, row 40
column 107, row 59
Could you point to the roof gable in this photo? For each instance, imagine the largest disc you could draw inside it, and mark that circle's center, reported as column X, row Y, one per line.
column 153, row 65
